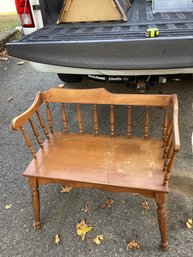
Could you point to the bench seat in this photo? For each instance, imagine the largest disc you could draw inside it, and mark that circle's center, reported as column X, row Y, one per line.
column 134, row 163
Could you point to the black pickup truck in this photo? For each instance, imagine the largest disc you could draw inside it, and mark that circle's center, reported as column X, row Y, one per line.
column 112, row 48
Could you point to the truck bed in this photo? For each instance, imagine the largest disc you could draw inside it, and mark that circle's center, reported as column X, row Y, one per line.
column 113, row 45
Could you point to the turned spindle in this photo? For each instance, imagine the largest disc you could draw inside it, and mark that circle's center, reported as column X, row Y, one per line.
column 79, row 119
column 129, row 121
column 42, row 124
column 168, row 140
column 96, row 123
column 28, row 142
column 168, row 157
column 169, row 127
column 112, row 121
column 169, row 169
column 49, row 117
column 64, row 118
column 36, row 133
column 146, row 129
column 165, row 125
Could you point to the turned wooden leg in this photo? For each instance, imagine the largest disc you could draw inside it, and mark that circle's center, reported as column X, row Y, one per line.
column 162, row 219
column 36, row 204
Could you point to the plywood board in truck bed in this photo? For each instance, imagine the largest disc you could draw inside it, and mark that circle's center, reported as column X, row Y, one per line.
column 98, row 10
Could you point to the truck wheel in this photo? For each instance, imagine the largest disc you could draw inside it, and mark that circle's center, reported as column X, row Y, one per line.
column 71, row 78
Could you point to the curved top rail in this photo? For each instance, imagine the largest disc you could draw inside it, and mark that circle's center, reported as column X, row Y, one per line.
column 102, row 96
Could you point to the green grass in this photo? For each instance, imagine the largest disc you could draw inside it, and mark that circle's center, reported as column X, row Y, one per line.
column 9, row 22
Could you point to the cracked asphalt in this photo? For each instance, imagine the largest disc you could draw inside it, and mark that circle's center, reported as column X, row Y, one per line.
column 124, row 221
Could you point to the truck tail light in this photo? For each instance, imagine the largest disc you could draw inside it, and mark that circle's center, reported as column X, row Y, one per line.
column 25, row 13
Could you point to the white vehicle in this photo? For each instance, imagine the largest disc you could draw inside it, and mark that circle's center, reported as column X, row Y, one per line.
column 107, row 48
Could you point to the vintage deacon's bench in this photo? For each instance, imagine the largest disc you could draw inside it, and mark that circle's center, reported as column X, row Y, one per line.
column 106, row 162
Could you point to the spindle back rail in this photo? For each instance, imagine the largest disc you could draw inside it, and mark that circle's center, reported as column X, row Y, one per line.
column 122, row 163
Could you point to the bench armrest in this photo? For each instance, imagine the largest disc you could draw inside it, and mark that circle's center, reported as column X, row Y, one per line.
column 18, row 122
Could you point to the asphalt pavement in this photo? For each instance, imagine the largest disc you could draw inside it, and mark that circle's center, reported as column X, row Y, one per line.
column 123, row 222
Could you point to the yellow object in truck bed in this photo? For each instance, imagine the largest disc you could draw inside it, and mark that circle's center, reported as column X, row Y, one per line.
column 152, row 32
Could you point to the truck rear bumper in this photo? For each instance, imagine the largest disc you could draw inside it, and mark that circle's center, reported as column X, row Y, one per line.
column 117, row 54
column 83, row 71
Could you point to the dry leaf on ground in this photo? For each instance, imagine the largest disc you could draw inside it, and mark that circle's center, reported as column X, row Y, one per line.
column 133, row 244
column 57, row 239
column 20, row 63
column 8, row 206
column 107, row 203
column 85, row 208
column 82, row 229
column 4, row 56
column 98, row 239
column 145, row 205
column 10, row 99
column 66, row 189
column 189, row 223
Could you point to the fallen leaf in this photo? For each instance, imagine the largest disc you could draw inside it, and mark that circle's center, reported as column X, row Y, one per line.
column 82, row 229
column 20, row 63
column 57, row 239
column 85, row 208
column 107, row 203
column 3, row 58
column 145, row 205
column 10, row 99
column 133, row 244
column 98, row 239
column 8, row 206
column 189, row 223
column 135, row 194
column 66, row 189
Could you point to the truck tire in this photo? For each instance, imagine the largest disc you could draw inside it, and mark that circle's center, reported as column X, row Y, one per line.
column 70, row 78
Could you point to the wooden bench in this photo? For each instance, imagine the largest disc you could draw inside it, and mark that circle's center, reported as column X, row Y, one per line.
column 107, row 162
